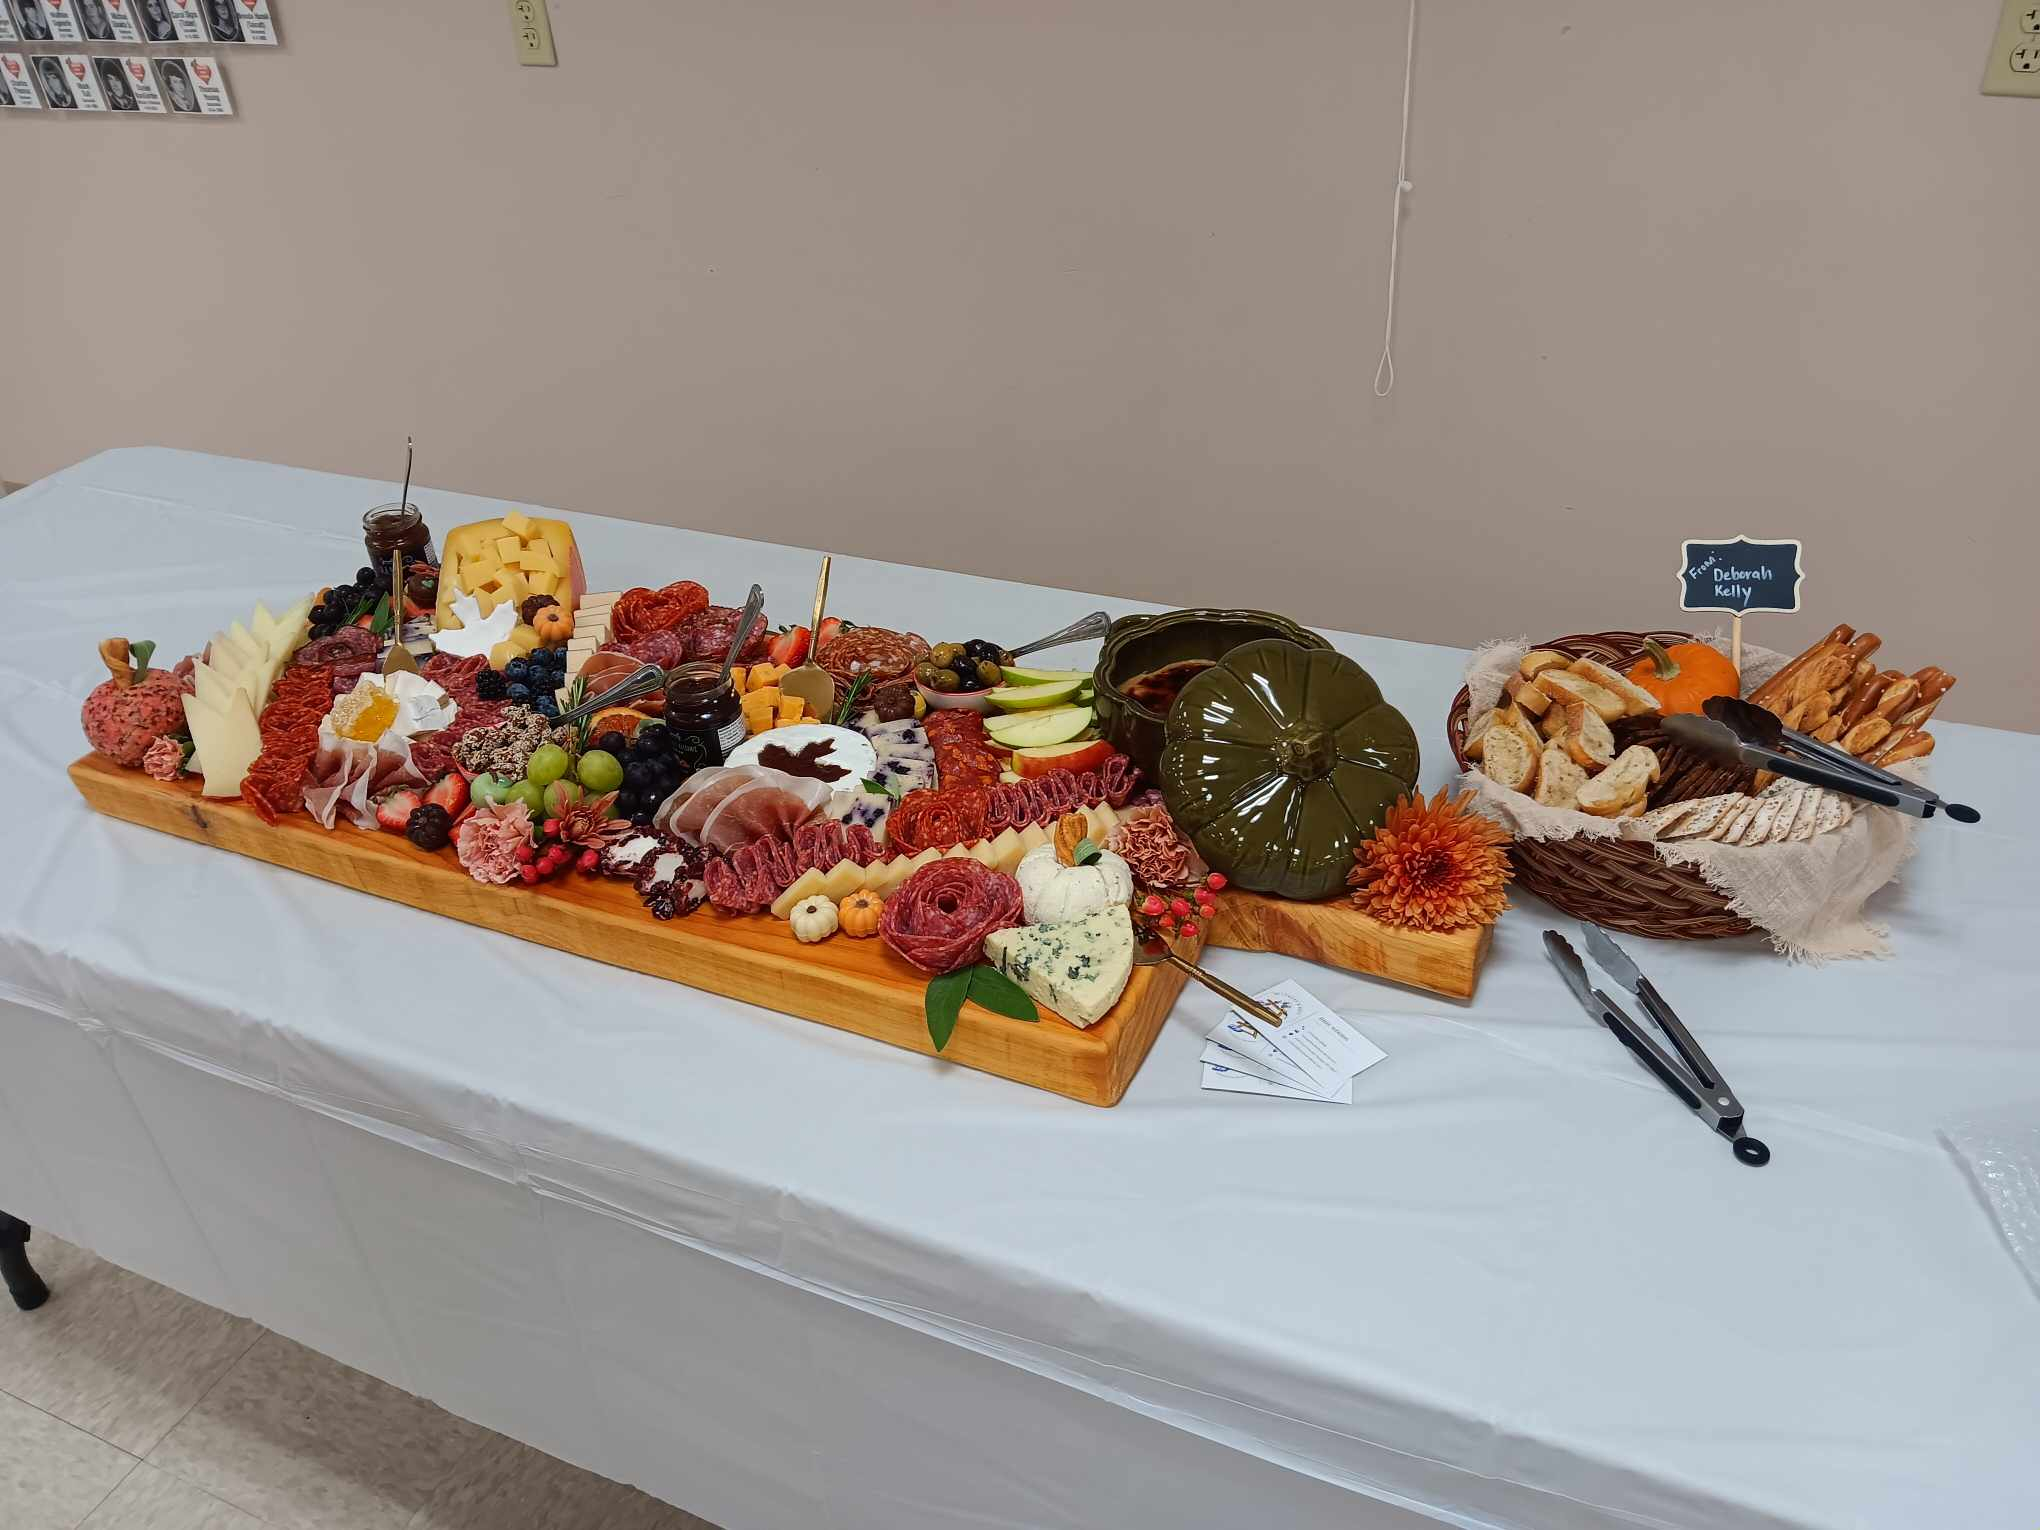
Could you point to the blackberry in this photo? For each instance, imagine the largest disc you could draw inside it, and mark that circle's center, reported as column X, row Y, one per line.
column 491, row 686
column 429, row 827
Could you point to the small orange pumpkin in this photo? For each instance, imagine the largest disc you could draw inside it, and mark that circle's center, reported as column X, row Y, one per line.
column 1684, row 675
column 858, row 914
column 552, row 625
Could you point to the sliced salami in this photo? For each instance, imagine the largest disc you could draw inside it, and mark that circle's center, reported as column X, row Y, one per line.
column 939, row 917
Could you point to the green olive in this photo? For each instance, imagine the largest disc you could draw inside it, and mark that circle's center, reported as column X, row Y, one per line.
column 926, row 673
column 945, row 655
column 988, row 672
column 945, row 680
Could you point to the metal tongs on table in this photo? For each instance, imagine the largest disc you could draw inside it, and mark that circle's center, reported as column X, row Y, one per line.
column 1735, row 732
column 1691, row 1075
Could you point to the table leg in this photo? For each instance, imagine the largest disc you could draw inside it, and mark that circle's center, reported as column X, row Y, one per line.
column 23, row 1284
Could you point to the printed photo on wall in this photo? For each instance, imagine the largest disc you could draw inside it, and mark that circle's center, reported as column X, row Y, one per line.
column 83, row 83
column 121, row 17
column 140, row 83
column 60, row 19
column 34, row 25
column 198, row 81
column 16, row 87
column 49, row 73
column 93, row 20
column 9, row 32
column 187, row 19
column 154, row 16
column 113, row 85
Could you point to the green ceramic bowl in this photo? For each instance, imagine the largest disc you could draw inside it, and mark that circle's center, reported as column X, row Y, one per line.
column 1281, row 759
column 1141, row 645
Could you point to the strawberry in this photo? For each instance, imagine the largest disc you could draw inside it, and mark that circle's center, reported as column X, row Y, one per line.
column 394, row 811
column 824, row 634
column 790, row 646
column 452, row 794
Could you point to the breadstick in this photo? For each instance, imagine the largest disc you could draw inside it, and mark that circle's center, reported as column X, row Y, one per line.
column 1828, row 731
column 1762, row 694
column 1897, row 696
column 1913, row 748
column 1865, row 645
column 1917, row 715
column 1863, row 700
column 1934, row 682
column 1818, row 711
column 1868, row 733
column 1823, row 675
column 1794, row 716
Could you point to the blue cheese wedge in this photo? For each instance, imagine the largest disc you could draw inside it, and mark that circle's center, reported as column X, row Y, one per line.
column 1077, row 969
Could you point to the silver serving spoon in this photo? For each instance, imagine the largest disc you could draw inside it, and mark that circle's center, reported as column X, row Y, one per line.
column 1096, row 625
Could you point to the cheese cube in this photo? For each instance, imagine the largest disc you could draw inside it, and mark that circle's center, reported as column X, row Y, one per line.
column 511, row 582
column 539, row 555
column 540, row 582
column 488, row 600
column 523, row 638
column 502, row 654
column 518, row 524
column 509, row 551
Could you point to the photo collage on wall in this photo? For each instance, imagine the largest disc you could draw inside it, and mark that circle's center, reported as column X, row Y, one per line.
column 192, row 85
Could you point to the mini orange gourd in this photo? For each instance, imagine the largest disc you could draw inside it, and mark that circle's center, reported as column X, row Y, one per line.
column 859, row 913
column 1684, row 675
column 553, row 626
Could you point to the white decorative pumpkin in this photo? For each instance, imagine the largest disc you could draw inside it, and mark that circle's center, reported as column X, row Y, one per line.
column 1052, row 893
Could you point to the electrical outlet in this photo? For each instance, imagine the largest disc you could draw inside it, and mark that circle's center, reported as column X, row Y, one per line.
column 2014, row 66
column 534, row 32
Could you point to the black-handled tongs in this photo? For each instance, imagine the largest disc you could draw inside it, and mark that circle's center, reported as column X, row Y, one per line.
column 1737, row 732
column 1691, row 1075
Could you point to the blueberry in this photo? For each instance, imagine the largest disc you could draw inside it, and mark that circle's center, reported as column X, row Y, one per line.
column 547, row 706
column 518, row 691
column 517, row 669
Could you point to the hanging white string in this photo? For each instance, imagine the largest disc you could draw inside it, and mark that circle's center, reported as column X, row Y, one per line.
column 1384, row 374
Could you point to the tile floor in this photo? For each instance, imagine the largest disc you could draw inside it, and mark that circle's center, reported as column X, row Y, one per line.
column 124, row 1406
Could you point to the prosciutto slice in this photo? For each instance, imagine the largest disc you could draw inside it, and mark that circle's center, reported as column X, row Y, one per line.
column 683, row 813
column 771, row 808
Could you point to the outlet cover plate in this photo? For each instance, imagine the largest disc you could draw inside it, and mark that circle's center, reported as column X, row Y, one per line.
column 533, row 28
column 2014, row 67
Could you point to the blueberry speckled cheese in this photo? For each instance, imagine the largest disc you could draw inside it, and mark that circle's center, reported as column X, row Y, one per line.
column 1077, row 969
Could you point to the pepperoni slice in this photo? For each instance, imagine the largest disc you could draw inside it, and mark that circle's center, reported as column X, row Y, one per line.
column 939, row 917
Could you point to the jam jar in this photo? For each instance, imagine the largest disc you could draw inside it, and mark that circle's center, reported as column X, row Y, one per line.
column 703, row 715
column 389, row 529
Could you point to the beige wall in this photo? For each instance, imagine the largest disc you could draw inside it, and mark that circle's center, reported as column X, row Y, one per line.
column 1089, row 291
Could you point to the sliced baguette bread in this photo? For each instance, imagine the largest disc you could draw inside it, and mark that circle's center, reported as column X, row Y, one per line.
column 1587, row 738
column 1622, row 783
column 1476, row 734
column 1526, row 695
column 1558, row 779
column 1508, row 761
column 1539, row 660
column 1635, row 697
column 1508, row 716
column 1567, row 686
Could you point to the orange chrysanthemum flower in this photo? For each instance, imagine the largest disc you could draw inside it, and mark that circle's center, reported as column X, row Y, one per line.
column 1433, row 865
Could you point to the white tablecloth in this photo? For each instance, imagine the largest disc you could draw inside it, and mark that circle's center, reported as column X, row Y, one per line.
column 786, row 1276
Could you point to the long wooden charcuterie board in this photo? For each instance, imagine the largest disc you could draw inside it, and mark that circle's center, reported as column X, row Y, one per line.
column 854, row 985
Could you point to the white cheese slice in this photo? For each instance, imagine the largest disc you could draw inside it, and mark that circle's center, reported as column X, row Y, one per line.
column 1078, row 969
column 226, row 741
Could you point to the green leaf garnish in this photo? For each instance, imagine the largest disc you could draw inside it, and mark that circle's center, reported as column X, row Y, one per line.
column 944, row 1002
column 138, row 655
column 873, row 784
column 857, row 684
column 1085, row 853
column 993, row 990
column 379, row 624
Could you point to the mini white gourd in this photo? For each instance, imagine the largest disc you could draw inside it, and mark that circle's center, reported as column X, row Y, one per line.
column 812, row 919
column 1052, row 893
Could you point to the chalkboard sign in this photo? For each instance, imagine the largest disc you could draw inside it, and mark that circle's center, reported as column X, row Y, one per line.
column 1740, row 575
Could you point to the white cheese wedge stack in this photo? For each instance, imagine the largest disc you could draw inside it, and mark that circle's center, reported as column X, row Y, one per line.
column 1078, row 969
column 232, row 686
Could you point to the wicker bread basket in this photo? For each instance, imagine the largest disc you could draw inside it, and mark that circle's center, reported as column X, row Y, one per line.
column 1621, row 883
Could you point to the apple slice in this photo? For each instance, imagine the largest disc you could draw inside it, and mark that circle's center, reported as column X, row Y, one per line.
column 1015, row 675
column 1032, row 698
column 1035, row 730
column 1080, row 754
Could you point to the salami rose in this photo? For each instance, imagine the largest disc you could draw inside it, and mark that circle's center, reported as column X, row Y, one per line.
column 939, row 917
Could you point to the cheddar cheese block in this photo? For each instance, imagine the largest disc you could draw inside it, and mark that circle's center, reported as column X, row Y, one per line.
column 508, row 560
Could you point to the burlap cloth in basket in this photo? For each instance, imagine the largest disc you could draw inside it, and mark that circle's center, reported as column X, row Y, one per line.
column 1807, row 896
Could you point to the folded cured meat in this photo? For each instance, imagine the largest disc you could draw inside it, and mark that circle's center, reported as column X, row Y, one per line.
column 770, row 806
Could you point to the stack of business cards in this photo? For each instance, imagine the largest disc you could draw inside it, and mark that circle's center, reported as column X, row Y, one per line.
column 1311, row 1055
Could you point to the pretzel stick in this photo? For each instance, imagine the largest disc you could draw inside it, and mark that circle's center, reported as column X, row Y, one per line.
column 1918, row 745
column 1828, row 731
column 1897, row 696
column 1817, row 711
column 1865, row 645
column 1863, row 700
column 1763, row 694
column 1868, row 733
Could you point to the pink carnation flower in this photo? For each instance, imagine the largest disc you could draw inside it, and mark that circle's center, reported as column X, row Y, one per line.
column 487, row 841
column 164, row 759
